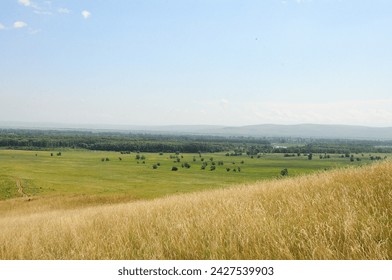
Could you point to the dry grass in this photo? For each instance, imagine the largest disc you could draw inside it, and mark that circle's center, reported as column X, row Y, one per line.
column 342, row 214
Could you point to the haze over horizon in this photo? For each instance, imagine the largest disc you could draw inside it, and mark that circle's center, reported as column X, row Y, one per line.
column 229, row 63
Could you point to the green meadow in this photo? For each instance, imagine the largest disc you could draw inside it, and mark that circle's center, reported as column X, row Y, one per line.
column 82, row 172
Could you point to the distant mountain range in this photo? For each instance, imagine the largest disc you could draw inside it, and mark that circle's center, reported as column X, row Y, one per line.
column 263, row 130
column 300, row 131
column 313, row 131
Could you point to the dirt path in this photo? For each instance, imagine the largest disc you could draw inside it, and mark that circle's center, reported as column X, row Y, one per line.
column 19, row 185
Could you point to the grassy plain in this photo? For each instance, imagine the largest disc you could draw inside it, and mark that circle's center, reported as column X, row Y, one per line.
column 76, row 206
column 338, row 214
column 80, row 172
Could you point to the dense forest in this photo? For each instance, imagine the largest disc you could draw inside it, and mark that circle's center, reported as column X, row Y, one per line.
column 134, row 142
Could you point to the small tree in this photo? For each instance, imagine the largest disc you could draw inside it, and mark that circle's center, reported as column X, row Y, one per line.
column 174, row 168
column 310, row 156
column 284, row 172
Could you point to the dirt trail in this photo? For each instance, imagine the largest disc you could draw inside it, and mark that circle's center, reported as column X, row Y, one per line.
column 19, row 185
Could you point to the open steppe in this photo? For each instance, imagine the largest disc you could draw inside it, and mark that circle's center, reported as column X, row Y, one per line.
column 343, row 213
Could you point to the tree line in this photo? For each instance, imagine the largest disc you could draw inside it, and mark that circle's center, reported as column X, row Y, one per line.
column 121, row 142
column 134, row 142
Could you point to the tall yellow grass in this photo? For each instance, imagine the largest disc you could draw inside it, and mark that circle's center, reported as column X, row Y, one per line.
column 342, row 214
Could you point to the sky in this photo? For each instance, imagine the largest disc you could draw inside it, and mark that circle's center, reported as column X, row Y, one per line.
column 220, row 62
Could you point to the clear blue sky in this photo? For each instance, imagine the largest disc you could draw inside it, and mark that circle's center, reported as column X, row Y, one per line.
column 162, row 62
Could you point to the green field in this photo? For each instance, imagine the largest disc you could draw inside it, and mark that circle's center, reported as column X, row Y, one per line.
column 82, row 172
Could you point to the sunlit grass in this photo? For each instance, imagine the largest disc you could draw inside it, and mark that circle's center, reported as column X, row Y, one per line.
column 80, row 172
column 341, row 214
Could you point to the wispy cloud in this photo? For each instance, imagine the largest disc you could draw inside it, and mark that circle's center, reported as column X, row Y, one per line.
column 364, row 112
column 2, row 26
column 37, row 8
column 34, row 31
column 63, row 11
column 40, row 7
column 86, row 14
column 43, row 12
column 26, row 3
column 303, row 1
column 19, row 24
column 372, row 112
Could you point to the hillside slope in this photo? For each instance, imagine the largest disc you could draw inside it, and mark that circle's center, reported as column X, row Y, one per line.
column 342, row 214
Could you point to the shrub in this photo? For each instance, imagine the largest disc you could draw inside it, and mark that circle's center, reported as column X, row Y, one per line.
column 284, row 172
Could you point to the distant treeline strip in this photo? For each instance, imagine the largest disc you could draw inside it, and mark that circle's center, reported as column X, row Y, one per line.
column 32, row 139
column 130, row 142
